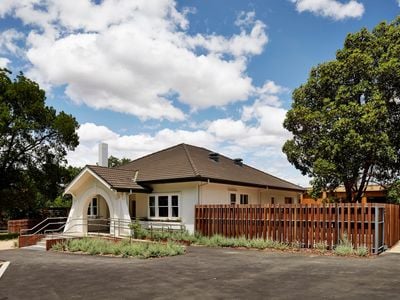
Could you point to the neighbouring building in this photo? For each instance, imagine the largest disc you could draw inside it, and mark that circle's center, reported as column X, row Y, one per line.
column 165, row 186
column 374, row 193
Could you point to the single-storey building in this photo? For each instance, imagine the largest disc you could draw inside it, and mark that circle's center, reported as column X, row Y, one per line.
column 165, row 186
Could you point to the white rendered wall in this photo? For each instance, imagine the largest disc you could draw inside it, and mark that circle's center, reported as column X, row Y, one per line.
column 279, row 196
column 117, row 204
column 215, row 193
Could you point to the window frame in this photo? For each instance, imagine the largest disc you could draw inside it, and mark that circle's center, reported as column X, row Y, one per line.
column 230, row 198
column 170, row 206
column 244, row 197
column 93, row 208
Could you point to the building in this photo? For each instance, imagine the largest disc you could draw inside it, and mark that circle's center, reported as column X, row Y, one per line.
column 374, row 193
column 165, row 186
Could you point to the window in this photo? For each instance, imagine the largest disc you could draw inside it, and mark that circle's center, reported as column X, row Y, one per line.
column 233, row 199
column 164, row 206
column 272, row 200
column 244, row 199
column 288, row 200
column 174, row 206
column 92, row 208
column 152, row 206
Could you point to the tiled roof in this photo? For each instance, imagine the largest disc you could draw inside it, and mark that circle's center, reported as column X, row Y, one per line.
column 186, row 162
column 118, row 179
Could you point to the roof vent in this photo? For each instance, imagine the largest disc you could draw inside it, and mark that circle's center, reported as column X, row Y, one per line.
column 214, row 156
column 238, row 161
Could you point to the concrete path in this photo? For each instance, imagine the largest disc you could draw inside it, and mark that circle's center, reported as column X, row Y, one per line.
column 203, row 273
column 395, row 248
column 7, row 245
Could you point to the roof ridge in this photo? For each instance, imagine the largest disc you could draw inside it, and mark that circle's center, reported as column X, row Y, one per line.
column 148, row 155
column 196, row 172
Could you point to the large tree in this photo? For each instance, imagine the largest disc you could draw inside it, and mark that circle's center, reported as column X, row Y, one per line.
column 345, row 119
column 34, row 140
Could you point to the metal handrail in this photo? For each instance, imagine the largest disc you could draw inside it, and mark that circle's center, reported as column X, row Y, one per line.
column 115, row 223
column 40, row 223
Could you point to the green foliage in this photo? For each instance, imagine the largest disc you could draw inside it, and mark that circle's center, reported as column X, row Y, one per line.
column 393, row 193
column 361, row 251
column 138, row 232
column 116, row 162
column 221, row 241
column 34, row 140
column 346, row 248
column 94, row 246
column 345, row 118
column 8, row 236
column 321, row 246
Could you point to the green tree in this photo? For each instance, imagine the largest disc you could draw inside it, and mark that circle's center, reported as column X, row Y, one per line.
column 345, row 119
column 116, row 162
column 393, row 192
column 34, row 140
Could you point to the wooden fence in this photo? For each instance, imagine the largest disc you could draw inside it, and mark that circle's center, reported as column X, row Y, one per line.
column 375, row 226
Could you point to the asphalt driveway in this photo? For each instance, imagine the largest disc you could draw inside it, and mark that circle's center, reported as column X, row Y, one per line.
column 203, row 273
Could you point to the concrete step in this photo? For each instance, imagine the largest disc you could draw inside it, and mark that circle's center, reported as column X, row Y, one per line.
column 41, row 243
column 35, row 247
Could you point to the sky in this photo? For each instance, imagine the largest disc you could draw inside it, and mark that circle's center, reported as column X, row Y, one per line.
column 143, row 75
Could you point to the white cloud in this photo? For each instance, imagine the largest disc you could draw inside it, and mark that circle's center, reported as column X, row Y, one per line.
column 331, row 8
column 8, row 42
column 4, row 62
column 90, row 132
column 257, row 137
column 131, row 56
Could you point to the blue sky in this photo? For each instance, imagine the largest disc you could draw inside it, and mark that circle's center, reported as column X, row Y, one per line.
column 145, row 75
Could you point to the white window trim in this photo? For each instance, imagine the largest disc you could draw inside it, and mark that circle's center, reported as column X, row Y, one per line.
column 238, row 194
column 156, row 217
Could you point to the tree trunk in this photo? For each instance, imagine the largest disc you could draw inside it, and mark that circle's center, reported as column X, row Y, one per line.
column 349, row 191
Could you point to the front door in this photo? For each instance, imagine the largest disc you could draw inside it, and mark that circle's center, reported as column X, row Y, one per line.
column 132, row 209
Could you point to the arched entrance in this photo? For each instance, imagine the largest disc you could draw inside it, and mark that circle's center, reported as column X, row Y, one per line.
column 97, row 215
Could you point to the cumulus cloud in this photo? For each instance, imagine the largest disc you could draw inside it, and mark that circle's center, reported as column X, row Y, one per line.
column 136, row 57
column 4, row 62
column 331, row 8
column 9, row 42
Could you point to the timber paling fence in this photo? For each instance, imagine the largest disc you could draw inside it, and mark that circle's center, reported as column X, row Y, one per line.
column 375, row 226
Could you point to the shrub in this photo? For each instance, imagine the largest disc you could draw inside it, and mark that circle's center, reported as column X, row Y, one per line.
column 321, row 246
column 95, row 246
column 8, row 236
column 138, row 232
column 58, row 247
column 345, row 247
column 362, row 251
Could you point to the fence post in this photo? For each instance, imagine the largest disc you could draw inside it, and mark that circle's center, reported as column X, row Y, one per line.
column 383, row 227
column 376, row 229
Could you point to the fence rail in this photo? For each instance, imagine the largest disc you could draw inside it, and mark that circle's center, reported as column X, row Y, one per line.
column 375, row 226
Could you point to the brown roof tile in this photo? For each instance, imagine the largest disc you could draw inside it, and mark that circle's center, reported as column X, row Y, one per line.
column 118, row 179
column 190, row 162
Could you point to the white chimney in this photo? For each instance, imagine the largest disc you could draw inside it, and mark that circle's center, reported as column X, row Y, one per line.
column 103, row 155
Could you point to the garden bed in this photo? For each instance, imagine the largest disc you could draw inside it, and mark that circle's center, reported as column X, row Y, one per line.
column 344, row 248
column 124, row 248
